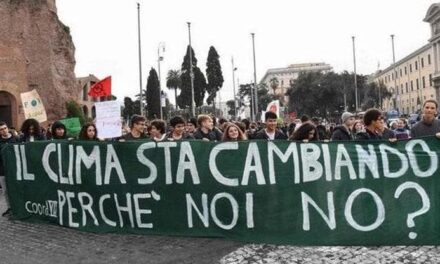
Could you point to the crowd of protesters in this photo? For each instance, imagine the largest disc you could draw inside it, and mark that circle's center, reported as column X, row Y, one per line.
column 370, row 126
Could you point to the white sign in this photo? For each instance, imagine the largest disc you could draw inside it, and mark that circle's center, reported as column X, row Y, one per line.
column 33, row 106
column 108, row 119
column 274, row 107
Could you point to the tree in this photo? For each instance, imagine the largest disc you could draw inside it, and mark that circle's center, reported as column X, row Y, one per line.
column 153, row 95
column 174, row 82
column 274, row 84
column 75, row 110
column 214, row 75
column 184, row 99
column 130, row 107
column 231, row 106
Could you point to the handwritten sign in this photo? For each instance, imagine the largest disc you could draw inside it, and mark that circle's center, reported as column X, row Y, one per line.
column 108, row 119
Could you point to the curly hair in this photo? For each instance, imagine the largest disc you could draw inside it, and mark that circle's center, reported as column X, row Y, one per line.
column 27, row 124
column 303, row 132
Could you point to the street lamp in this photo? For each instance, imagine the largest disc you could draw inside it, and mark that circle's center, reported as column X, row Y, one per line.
column 160, row 47
column 255, row 79
column 233, row 86
column 193, row 105
column 141, row 104
column 355, row 77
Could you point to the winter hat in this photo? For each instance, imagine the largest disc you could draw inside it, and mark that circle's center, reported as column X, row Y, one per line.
column 345, row 116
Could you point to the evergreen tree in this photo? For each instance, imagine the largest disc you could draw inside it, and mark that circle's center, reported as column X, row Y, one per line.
column 213, row 74
column 184, row 99
column 153, row 95
column 75, row 110
column 174, row 82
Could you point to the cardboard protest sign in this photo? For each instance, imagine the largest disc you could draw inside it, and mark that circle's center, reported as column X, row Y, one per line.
column 33, row 106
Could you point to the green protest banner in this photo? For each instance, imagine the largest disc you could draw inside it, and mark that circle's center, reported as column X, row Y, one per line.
column 73, row 126
column 360, row 193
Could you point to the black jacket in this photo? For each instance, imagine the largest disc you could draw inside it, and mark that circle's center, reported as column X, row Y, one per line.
column 213, row 135
column 3, row 143
column 341, row 133
column 262, row 135
column 368, row 135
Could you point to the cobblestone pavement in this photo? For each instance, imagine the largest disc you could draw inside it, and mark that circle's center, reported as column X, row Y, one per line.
column 22, row 242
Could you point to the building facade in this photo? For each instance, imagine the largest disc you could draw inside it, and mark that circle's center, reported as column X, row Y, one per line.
column 278, row 80
column 416, row 77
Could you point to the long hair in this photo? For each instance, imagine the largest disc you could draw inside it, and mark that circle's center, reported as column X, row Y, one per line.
column 241, row 135
column 303, row 132
column 30, row 123
column 83, row 132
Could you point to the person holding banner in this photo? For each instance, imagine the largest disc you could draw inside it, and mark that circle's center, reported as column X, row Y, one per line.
column 374, row 123
column 206, row 130
column 88, row 132
column 156, row 130
column 58, row 131
column 233, row 133
column 178, row 132
column 343, row 132
column 31, row 131
column 270, row 132
column 429, row 125
column 5, row 138
column 137, row 126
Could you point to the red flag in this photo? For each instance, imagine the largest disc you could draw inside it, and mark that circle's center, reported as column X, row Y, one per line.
column 101, row 88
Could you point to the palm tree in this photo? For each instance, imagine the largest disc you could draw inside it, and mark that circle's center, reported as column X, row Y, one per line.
column 174, row 82
column 274, row 84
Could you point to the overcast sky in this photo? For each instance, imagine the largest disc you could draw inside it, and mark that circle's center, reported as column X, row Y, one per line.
column 286, row 32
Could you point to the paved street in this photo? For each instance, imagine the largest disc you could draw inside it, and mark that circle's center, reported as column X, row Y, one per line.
column 22, row 242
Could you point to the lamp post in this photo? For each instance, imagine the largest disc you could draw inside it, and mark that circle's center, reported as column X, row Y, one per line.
column 140, row 62
column 193, row 105
column 255, row 79
column 396, row 89
column 355, row 77
column 159, row 59
column 233, row 86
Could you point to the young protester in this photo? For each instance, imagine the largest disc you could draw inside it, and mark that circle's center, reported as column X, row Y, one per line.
column 401, row 132
column 5, row 138
column 429, row 125
column 31, row 131
column 178, row 131
column 58, row 131
column 156, row 130
column 306, row 132
column 374, row 123
column 270, row 132
column 358, row 127
column 88, row 132
column 191, row 126
column 206, row 131
column 343, row 132
column 137, row 127
column 233, row 133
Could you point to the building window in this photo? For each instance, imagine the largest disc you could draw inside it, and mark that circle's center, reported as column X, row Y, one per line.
column 429, row 59
column 422, row 63
column 423, row 82
column 400, row 72
column 85, row 93
column 401, row 87
column 417, row 84
column 415, row 64
column 282, row 84
column 406, row 87
column 410, row 68
column 430, row 80
column 405, row 70
column 412, row 86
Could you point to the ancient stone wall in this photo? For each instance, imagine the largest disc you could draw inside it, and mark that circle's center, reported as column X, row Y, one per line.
column 43, row 47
